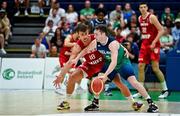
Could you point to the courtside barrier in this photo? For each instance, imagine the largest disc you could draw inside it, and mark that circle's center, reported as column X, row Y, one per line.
column 22, row 73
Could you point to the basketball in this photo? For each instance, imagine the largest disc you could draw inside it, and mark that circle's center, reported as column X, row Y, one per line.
column 96, row 86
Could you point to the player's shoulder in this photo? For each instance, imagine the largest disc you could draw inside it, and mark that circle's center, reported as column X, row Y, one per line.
column 152, row 16
column 111, row 38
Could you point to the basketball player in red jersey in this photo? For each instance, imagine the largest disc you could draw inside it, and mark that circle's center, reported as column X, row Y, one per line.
column 82, row 33
column 65, row 53
column 93, row 64
column 69, row 43
column 151, row 31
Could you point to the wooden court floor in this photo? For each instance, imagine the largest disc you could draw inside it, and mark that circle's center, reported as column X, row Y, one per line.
column 44, row 102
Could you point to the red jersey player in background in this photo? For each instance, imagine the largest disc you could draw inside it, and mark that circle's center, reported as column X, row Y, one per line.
column 151, row 31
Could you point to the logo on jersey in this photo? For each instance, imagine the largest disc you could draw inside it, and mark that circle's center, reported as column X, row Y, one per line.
column 144, row 24
column 105, row 52
column 8, row 74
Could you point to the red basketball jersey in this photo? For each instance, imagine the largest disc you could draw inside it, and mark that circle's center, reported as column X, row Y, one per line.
column 148, row 31
column 93, row 57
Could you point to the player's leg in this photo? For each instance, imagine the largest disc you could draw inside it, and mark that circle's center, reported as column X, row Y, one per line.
column 160, row 76
column 128, row 74
column 141, row 72
column 65, row 66
column 125, row 91
column 75, row 77
column 79, row 89
column 143, row 60
column 94, row 69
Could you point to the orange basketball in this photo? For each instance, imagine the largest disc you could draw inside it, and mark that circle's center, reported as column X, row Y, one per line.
column 96, row 86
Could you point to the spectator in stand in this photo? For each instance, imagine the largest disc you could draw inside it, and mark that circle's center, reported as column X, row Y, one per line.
column 176, row 31
column 38, row 50
column 166, row 41
column 54, row 17
column 151, row 11
column 87, row 13
column 116, row 14
column 101, row 5
column 128, row 12
column 42, row 3
column 71, row 16
column 60, row 11
column 17, row 5
column 167, row 15
column 4, row 5
column 4, row 25
column 125, row 31
column 100, row 19
column 53, row 52
column 119, row 37
column 47, row 34
column 2, row 44
column 135, row 33
column 133, row 49
column 133, row 22
column 119, row 22
column 7, row 6
column 57, row 40
column 66, row 30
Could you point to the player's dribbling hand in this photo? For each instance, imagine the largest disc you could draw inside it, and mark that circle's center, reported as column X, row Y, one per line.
column 103, row 78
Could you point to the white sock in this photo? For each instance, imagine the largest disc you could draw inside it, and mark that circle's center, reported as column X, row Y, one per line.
column 67, row 97
column 148, row 97
column 130, row 98
column 164, row 85
column 96, row 97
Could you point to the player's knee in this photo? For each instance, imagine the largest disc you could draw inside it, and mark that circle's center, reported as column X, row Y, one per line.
column 73, row 78
column 134, row 82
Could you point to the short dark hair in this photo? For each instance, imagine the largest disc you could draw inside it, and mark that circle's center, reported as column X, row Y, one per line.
column 82, row 27
column 102, row 28
column 142, row 3
column 100, row 10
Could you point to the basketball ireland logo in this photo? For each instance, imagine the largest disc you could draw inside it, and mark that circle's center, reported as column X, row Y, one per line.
column 8, row 74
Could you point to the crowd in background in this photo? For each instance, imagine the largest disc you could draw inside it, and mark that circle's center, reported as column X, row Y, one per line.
column 123, row 21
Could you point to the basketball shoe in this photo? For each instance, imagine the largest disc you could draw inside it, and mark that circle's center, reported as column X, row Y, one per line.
column 137, row 106
column 63, row 106
column 164, row 94
column 153, row 108
column 94, row 106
